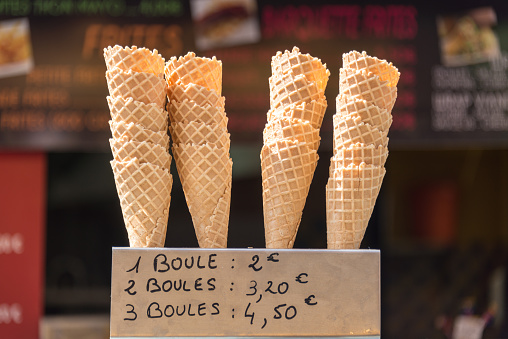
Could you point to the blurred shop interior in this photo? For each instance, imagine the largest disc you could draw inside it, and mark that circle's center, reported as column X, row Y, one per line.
column 441, row 217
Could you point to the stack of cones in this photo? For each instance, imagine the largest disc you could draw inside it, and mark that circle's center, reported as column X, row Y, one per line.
column 139, row 142
column 201, row 142
column 290, row 142
column 360, row 146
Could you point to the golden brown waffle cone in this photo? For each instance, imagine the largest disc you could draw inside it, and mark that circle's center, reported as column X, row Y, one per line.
column 216, row 234
column 313, row 112
column 132, row 131
column 199, row 133
column 291, row 129
column 205, row 172
column 368, row 113
column 150, row 116
column 134, row 58
column 145, row 152
column 353, row 130
column 356, row 154
column 367, row 86
column 361, row 61
column 287, row 168
column 202, row 96
column 188, row 110
column 144, row 191
column 297, row 63
column 351, row 194
column 144, row 87
column 190, row 69
column 288, row 89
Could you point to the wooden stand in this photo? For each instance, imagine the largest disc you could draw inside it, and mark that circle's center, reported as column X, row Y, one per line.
column 171, row 292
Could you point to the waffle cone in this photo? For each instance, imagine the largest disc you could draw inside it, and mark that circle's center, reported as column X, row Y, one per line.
column 297, row 63
column 348, row 107
column 188, row 110
column 202, row 96
column 288, row 89
column 132, row 131
column 134, row 58
column 190, row 69
column 353, row 130
column 361, row 61
column 216, row 233
column 313, row 112
column 351, row 193
column 150, row 116
column 199, row 133
column 291, row 129
column 287, row 169
column 356, row 154
column 145, row 87
column 145, row 152
column 367, row 86
column 144, row 191
column 205, row 172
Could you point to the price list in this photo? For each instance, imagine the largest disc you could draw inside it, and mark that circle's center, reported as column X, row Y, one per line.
column 167, row 292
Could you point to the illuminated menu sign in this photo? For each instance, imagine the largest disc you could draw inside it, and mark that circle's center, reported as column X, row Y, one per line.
column 52, row 73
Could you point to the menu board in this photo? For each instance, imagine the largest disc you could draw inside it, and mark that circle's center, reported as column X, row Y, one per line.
column 453, row 63
column 165, row 292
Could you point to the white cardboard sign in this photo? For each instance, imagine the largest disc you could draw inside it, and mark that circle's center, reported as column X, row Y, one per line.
column 168, row 292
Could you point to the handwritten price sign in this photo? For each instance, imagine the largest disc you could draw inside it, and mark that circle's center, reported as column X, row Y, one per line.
column 167, row 292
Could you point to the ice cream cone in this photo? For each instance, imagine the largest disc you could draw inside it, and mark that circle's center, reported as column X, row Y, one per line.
column 348, row 107
column 367, row 86
column 291, row 129
column 202, row 96
column 134, row 58
column 351, row 194
column 206, row 173
column 132, row 131
column 297, row 63
column 353, row 130
column 190, row 69
column 144, row 87
column 189, row 110
column 145, row 152
column 288, row 89
column 199, row 133
column 287, row 169
column 150, row 116
column 313, row 112
column 144, row 192
column 216, row 234
column 356, row 154
column 363, row 118
column 361, row 61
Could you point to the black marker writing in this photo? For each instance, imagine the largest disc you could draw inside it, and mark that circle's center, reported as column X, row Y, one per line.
column 255, row 258
column 272, row 258
column 154, row 311
column 131, row 311
column 164, row 263
column 309, row 299
column 253, row 287
column 136, row 267
column 300, row 276
column 128, row 289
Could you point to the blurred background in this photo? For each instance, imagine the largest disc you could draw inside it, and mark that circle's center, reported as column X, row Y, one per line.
column 440, row 221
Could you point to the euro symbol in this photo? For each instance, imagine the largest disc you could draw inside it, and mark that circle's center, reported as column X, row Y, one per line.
column 271, row 257
column 309, row 301
column 300, row 276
